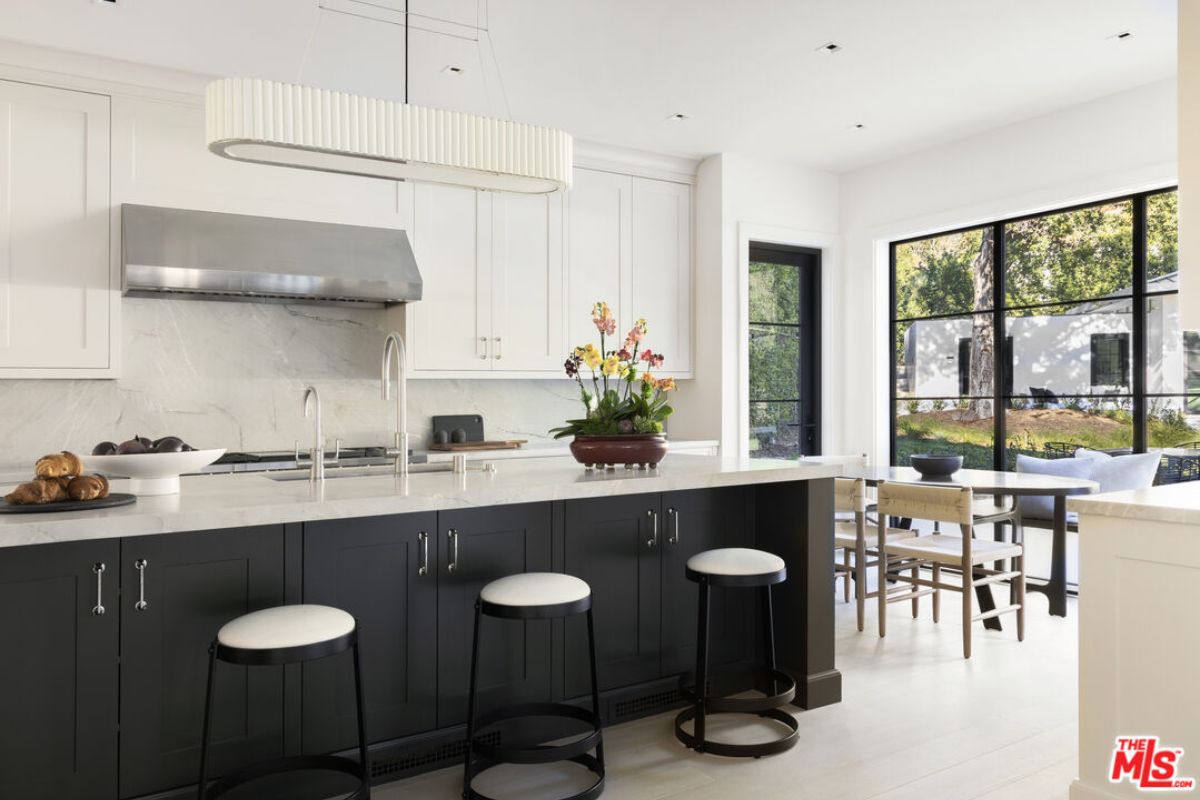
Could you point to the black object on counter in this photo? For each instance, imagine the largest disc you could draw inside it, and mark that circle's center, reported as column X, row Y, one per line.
column 936, row 465
column 112, row 501
column 468, row 426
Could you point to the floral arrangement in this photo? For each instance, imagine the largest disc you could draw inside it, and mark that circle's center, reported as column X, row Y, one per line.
column 623, row 397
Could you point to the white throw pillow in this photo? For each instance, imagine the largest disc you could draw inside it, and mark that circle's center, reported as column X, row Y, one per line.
column 1094, row 455
column 1120, row 473
column 1043, row 507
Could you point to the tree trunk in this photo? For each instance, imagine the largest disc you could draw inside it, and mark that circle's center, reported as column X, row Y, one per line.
column 983, row 341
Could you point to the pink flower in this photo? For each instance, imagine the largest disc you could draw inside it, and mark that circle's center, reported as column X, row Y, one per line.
column 647, row 355
column 656, row 360
column 624, row 354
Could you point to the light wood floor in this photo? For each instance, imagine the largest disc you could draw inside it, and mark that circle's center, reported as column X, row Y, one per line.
column 916, row 722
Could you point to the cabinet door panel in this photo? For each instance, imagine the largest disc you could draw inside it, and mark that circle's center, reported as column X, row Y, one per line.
column 527, row 285
column 58, row 676
column 452, row 326
column 54, row 228
column 661, row 289
column 370, row 568
column 194, row 584
column 607, row 543
column 515, row 656
column 698, row 520
column 598, row 261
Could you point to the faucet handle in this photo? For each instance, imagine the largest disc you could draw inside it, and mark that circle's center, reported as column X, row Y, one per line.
column 337, row 449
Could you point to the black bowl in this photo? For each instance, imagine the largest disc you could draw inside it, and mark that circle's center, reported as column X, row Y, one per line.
column 936, row 465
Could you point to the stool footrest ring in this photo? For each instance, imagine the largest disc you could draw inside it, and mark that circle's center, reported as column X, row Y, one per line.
column 244, row 775
column 537, row 754
column 784, row 692
column 755, row 750
column 591, row 762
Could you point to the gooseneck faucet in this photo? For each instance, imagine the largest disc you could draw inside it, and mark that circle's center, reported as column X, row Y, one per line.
column 316, row 471
column 394, row 344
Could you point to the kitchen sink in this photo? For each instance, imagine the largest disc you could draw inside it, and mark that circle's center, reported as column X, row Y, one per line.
column 368, row 472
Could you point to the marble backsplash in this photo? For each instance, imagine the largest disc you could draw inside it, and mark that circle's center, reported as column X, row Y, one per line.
column 225, row 374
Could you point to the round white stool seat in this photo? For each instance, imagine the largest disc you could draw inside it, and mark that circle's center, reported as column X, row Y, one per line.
column 735, row 562
column 535, row 589
column 285, row 626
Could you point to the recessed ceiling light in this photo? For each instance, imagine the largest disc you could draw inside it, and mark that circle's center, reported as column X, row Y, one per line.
column 678, row 117
column 1122, row 36
column 450, row 69
column 829, row 47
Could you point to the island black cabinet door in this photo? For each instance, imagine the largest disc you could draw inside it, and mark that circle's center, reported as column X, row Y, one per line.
column 191, row 584
column 614, row 543
column 58, row 671
column 694, row 521
column 383, row 570
column 476, row 546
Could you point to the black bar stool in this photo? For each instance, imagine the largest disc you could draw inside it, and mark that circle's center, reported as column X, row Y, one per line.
column 534, row 595
column 286, row 635
column 737, row 568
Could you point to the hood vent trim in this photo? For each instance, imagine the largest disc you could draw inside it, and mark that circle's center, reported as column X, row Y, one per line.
column 179, row 253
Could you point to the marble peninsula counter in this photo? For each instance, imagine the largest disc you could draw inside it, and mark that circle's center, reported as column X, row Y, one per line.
column 112, row 612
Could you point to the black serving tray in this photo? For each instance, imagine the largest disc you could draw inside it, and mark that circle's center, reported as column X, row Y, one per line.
column 112, row 501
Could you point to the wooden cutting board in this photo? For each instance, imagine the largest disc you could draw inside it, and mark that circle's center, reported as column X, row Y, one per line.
column 503, row 444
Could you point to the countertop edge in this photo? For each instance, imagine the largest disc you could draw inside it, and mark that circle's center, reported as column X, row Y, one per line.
column 1178, row 503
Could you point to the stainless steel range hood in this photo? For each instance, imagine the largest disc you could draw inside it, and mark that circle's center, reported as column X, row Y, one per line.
column 209, row 255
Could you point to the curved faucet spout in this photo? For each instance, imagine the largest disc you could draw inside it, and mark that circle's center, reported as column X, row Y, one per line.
column 316, row 471
column 395, row 344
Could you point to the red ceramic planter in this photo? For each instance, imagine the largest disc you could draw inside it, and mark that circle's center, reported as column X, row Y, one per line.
column 632, row 450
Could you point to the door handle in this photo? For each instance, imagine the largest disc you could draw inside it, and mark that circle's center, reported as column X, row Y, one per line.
column 499, row 350
column 423, row 540
column 653, row 540
column 452, row 564
column 481, row 350
column 674, row 537
column 98, row 570
column 140, row 565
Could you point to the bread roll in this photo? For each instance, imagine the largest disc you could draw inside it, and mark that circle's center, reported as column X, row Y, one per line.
column 37, row 492
column 88, row 487
column 58, row 465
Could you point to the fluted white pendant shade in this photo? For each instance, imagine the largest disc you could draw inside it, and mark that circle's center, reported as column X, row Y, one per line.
column 267, row 122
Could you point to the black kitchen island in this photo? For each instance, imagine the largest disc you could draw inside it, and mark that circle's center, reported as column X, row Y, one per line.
column 109, row 705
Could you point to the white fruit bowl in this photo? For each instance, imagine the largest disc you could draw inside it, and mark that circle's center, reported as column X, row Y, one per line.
column 152, row 473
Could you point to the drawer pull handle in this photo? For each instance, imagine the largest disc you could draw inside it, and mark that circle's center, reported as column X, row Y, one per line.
column 482, row 350
column 140, row 565
column 499, row 351
column 674, row 537
column 653, row 540
column 423, row 538
column 452, row 536
column 98, row 571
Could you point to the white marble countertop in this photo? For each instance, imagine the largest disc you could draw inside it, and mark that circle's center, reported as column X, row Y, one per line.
column 231, row 501
column 551, row 449
column 1175, row 502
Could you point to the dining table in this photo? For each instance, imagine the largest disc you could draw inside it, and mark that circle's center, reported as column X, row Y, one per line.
column 1001, row 486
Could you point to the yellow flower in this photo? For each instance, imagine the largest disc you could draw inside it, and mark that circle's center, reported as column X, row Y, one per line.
column 589, row 354
column 612, row 365
column 667, row 385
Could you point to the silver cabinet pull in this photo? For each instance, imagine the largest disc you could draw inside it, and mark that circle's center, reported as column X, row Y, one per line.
column 423, row 539
column 481, row 351
column 674, row 537
column 452, row 536
column 499, row 351
column 653, row 540
column 140, row 565
column 98, row 571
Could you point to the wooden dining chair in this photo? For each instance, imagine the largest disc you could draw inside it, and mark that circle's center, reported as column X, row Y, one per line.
column 952, row 505
column 850, row 536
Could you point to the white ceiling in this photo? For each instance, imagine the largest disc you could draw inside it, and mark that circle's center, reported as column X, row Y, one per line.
column 916, row 73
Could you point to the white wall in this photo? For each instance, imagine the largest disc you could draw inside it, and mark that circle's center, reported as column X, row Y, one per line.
column 1121, row 143
column 741, row 199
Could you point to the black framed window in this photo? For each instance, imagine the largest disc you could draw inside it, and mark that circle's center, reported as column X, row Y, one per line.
column 1084, row 301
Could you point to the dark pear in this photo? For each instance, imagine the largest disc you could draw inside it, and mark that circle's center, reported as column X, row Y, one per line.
column 132, row 446
column 169, row 444
column 105, row 449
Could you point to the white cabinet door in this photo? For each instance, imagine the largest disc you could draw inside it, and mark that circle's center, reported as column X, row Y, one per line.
column 527, row 283
column 661, row 286
column 56, row 292
column 451, row 325
column 598, row 250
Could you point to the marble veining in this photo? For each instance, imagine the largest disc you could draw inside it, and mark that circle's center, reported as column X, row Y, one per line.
column 1176, row 502
column 228, row 374
column 230, row 501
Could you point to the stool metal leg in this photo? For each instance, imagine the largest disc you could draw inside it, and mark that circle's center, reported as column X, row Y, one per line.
column 768, row 616
column 595, row 684
column 362, row 716
column 701, row 666
column 202, row 781
column 470, row 746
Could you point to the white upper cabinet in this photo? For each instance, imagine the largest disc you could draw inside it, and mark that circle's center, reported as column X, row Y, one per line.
column 661, row 288
column 528, row 281
column 630, row 244
column 58, row 290
column 599, row 252
column 492, row 266
column 450, row 328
